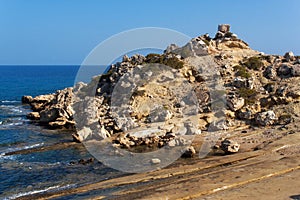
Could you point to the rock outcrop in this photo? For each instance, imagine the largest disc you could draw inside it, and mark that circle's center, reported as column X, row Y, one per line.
column 52, row 110
column 229, row 146
column 257, row 86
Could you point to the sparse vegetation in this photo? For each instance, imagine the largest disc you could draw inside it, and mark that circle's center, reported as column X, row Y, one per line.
column 166, row 59
column 205, row 41
column 241, row 71
column 254, row 63
column 248, row 94
column 228, row 34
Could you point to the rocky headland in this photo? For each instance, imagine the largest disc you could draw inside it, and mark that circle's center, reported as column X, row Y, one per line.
column 255, row 116
column 260, row 89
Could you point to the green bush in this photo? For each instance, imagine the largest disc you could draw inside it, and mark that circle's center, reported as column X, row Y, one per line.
column 205, row 41
column 254, row 63
column 248, row 94
column 165, row 59
column 241, row 71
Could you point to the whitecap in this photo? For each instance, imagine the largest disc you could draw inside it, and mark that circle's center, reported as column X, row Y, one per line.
column 10, row 150
column 9, row 101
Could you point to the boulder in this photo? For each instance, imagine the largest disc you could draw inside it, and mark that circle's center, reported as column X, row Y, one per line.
column 33, row 115
column 229, row 146
column 195, row 47
column 266, row 118
column 284, row 71
column 240, row 82
column 219, row 35
column 171, row 48
column 235, row 103
column 49, row 115
column 126, row 59
column 138, row 59
column 27, row 99
column 224, row 28
column 160, row 115
column 289, row 56
column 270, row 72
column 245, row 114
column 295, row 70
column 189, row 152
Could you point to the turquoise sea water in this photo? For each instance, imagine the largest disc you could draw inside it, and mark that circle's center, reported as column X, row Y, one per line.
column 33, row 173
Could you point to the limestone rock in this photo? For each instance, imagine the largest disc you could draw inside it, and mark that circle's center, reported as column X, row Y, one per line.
column 27, row 99
column 270, row 72
column 33, row 115
column 284, row 71
column 289, row 56
column 266, row 118
column 171, row 48
column 155, row 161
column 126, row 59
column 229, row 146
column 295, row 70
column 240, row 82
column 235, row 103
column 49, row 115
column 189, row 152
column 224, row 28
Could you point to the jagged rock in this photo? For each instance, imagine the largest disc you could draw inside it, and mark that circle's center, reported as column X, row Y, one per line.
column 27, row 99
column 229, row 146
column 171, row 48
column 58, row 123
column 289, row 56
column 295, row 70
column 243, row 83
column 284, row 71
column 160, row 115
column 157, row 104
column 53, row 110
column 126, row 59
column 235, row 103
column 281, row 91
column 172, row 143
column 49, row 115
column 266, row 118
column 270, row 87
column 224, row 28
column 138, row 59
column 219, row 35
column 270, row 72
column 189, row 152
column 191, row 129
column 195, row 47
column 245, row 114
column 33, row 115
column 239, row 44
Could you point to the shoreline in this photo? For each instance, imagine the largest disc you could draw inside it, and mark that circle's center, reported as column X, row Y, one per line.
column 256, row 144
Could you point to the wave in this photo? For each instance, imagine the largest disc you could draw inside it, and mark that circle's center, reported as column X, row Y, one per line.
column 11, row 150
column 3, row 157
column 9, row 101
column 48, row 189
column 12, row 122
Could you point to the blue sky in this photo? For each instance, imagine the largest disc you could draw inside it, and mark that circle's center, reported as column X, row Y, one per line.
column 65, row 31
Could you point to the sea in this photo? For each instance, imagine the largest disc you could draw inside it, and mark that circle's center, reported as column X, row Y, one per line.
column 25, row 172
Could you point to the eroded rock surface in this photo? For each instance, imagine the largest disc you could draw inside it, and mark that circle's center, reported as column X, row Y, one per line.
column 256, row 85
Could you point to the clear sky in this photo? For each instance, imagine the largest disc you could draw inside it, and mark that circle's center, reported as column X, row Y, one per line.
column 65, row 31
